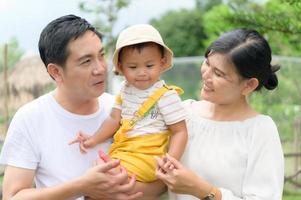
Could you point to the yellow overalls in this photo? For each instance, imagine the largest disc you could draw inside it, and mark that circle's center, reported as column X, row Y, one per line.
column 136, row 153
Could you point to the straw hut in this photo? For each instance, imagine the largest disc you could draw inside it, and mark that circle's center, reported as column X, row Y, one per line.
column 28, row 80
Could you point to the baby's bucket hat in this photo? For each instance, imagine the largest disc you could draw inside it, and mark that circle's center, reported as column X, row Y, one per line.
column 141, row 33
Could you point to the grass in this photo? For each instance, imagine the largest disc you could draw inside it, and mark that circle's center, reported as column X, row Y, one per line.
column 291, row 196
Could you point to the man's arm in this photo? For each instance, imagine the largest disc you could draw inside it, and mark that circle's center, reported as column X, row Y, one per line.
column 18, row 184
column 96, row 183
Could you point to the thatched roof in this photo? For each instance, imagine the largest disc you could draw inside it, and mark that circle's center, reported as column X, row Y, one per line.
column 28, row 80
column 29, row 73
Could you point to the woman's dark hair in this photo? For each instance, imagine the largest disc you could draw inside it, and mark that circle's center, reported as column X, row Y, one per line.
column 251, row 55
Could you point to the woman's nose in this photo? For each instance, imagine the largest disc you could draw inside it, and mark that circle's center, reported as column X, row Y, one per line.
column 205, row 72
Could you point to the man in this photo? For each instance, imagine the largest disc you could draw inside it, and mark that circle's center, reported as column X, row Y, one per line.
column 36, row 148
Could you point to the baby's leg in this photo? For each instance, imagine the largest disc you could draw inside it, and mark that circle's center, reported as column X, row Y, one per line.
column 148, row 192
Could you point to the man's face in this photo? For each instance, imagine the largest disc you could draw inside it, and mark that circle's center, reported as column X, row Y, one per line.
column 84, row 73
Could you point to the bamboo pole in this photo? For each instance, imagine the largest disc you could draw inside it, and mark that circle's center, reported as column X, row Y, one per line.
column 6, row 89
column 296, row 144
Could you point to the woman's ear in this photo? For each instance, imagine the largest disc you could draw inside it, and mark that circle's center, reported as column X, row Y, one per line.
column 249, row 86
column 55, row 72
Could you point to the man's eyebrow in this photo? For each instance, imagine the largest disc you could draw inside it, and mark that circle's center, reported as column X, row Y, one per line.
column 84, row 57
column 101, row 50
column 89, row 55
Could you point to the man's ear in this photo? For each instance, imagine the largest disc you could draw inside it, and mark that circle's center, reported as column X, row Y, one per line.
column 55, row 72
column 249, row 86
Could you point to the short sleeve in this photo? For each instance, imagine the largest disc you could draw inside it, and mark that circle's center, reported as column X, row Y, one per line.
column 171, row 107
column 19, row 149
column 118, row 102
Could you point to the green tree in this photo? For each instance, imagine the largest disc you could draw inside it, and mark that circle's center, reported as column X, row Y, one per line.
column 182, row 31
column 278, row 20
column 214, row 24
column 205, row 5
column 14, row 53
column 106, row 13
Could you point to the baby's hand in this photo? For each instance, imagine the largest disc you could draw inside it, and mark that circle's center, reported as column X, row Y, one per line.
column 164, row 164
column 168, row 165
column 81, row 138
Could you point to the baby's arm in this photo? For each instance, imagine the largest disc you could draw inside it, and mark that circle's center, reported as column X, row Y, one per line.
column 106, row 130
column 178, row 139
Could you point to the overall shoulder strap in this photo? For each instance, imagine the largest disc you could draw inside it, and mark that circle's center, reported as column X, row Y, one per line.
column 150, row 102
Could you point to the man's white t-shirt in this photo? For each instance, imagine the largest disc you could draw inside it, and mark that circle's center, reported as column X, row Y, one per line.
column 38, row 139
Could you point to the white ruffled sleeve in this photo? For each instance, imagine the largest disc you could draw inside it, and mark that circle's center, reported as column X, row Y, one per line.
column 264, row 176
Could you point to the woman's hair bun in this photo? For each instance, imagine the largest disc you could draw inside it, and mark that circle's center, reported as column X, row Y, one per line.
column 272, row 80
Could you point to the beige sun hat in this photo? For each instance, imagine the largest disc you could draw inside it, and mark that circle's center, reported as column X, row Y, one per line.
column 140, row 33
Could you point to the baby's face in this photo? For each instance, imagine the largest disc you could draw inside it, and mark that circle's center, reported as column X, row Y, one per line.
column 142, row 67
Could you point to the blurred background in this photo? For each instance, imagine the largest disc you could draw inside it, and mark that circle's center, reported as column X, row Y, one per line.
column 188, row 27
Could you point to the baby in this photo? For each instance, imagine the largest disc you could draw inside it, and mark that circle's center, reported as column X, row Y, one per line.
column 147, row 119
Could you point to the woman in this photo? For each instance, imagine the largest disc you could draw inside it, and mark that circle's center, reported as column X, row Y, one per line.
column 233, row 151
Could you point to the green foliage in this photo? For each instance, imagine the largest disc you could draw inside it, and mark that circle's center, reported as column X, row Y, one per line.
column 214, row 24
column 186, row 76
column 105, row 17
column 279, row 20
column 205, row 5
column 182, row 31
column 14, row 52
column 291, row 196
column 189, row 32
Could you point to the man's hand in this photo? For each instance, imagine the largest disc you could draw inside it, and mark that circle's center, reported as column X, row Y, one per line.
column 97, row 183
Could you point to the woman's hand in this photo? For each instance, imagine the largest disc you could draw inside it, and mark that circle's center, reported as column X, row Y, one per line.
column 180, row 179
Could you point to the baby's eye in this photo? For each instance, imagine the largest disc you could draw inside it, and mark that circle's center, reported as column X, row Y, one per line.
column 150, row 65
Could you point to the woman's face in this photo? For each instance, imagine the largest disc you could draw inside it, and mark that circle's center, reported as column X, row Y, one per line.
column 221, row 82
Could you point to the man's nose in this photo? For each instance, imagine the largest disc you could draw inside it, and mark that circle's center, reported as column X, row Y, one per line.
column 100, row 67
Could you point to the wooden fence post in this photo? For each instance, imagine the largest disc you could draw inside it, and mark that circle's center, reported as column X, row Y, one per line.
column 6, row 89
column 296, row 145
